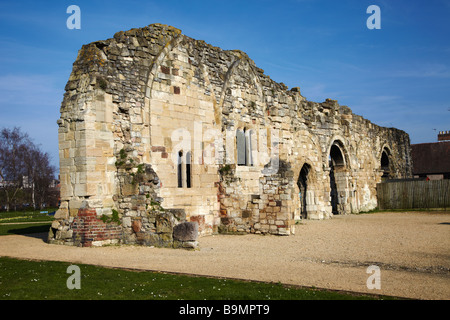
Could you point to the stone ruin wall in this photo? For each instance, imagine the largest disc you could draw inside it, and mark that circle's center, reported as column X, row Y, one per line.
column 151, row 103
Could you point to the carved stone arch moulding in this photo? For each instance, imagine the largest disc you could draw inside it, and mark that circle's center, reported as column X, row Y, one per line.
column 343, row 147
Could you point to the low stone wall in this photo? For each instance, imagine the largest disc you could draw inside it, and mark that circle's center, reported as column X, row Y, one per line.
column 140, row 218
column 87, row 229
column 266, row 211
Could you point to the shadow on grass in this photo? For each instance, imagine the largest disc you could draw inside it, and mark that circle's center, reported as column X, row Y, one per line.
column 38, row 231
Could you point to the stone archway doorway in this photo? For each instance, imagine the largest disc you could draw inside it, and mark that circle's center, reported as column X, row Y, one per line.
column 338, row 179
column 385, row 164
column 302, row 184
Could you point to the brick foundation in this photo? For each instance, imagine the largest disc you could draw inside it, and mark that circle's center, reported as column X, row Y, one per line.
column 88, row 229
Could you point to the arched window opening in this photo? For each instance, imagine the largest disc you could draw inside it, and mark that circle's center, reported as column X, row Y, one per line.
column 336, row 158
column 240, row 147
column 385, row 162
column 337, row 178
column 184, row 170
column 180, row 169
column 188, row 169
column 302, row 184
column 244, row 147
column 248, row 148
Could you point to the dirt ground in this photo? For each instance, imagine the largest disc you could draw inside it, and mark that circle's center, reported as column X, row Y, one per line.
column 412, row 251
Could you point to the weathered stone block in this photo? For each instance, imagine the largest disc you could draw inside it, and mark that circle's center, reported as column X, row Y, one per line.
column 164, row 223
column 136, row 225
column 186, row 231
column 126, row 222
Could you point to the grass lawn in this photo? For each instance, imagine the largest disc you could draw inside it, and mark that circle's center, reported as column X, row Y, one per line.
column 25, row 222
column 26, row 216
column 41, row 280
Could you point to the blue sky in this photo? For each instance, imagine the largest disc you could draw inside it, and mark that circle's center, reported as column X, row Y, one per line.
column 397, row 76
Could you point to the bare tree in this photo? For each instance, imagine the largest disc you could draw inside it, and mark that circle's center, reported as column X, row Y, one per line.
column 40, row 174
column 11, row 168
column 24, row 169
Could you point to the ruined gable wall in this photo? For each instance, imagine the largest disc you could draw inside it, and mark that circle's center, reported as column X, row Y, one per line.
column 184, row 122
column 130, row 99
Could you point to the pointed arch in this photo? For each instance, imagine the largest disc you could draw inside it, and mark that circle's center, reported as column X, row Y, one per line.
column 303, row 183
column 156, row 63
column 337, row 153
column 385, row 162
column 239, row 61
column 339, row 167
column 151, row 75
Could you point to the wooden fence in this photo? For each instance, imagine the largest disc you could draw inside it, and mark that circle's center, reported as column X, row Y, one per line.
column 414, row 194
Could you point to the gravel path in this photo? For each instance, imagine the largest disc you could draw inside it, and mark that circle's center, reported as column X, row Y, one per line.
column 412, row 251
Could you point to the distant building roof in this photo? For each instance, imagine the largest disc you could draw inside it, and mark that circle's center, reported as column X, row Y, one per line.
column 431, row 158
column 443, row 135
